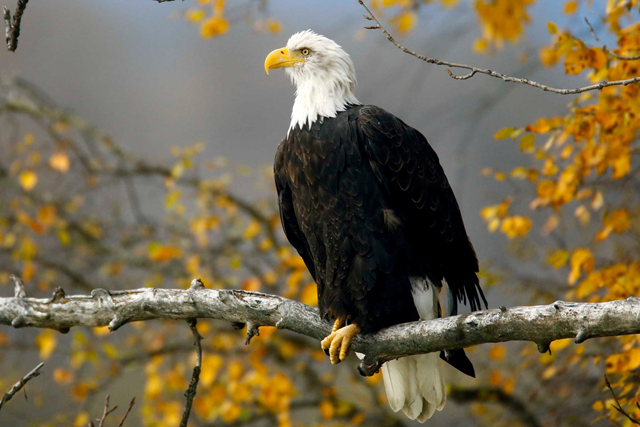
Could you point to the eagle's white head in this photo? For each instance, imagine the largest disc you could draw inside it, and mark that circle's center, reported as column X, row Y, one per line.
column 323, row 73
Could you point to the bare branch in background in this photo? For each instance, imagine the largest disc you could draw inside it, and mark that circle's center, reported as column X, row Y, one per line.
column 107, row 411
column 604, row 48
column 12, row 29
column 190, row 394
column 498, row 396
column 17, row 386
column 540, row 324
column 617, row 405
column 475, row 70
column 126, row 414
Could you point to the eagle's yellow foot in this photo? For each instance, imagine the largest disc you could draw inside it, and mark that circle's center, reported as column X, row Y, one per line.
column 339, row 323
column 339, row 342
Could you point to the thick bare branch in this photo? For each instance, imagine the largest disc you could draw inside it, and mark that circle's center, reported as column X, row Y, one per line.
column 474, row 70
column 17, row 386
column 539, row 324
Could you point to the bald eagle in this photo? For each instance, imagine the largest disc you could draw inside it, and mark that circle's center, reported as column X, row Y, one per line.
column 366, row 204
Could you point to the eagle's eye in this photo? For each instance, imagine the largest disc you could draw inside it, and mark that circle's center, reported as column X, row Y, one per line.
column 305, row 51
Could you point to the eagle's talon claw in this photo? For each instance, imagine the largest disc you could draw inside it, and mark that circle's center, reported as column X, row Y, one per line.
column 339, row 342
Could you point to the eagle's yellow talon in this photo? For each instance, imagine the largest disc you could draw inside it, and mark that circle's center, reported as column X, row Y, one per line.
column 339, row 323
column 339, row 342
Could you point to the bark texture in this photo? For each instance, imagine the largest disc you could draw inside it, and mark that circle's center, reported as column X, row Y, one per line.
column 540, row 324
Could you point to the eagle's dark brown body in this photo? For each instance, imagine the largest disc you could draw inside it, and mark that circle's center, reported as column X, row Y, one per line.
column 364, row 200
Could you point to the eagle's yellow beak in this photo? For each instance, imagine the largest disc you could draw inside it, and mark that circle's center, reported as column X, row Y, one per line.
column 280, row 58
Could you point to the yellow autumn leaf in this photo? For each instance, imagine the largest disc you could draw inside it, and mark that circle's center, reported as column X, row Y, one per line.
column 558, row 258
column 527, row 143
column 570, row 7
column 273, row 26
column 581, row 260
column 60, row 161
column 46, row 343
column 504, row 133
column 161, row 253
column 480, row 45
column 82, row 420
column 497, row 352
column 598, row 405
column 62, row 376
column 216, row 26
column 327, row 410
column 552, row 27
column 252, row 230
column 560, row 344
column 516, row 226
column 405, row 22
column 28, row 180
column 230, row 412
column 194, row 15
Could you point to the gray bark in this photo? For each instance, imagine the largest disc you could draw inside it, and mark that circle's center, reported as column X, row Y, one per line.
column 540, row 324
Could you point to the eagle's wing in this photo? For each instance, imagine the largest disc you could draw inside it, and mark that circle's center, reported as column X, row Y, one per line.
column 410, row 175
column 288, row 216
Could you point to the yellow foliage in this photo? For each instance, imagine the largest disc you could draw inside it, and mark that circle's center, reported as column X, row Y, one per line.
column 214, row 27
column 516, row 226
column 195, row 15
column 28, row 180
column 327, row 410
column 581, row 260
column 497, row 352
column 558, row 258
column 46, row 343
column 504, row 133
column 81, row 420
column 252, row 230
column 404, row 22
column 62, row 376
column 60, row 162
column 570, row 7
column 161, row 253
column 309, row 295
column 503, row 20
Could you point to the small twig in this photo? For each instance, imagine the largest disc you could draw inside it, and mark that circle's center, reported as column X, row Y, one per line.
column 12, row 29
column 475, row 70
column 106, row 411
column 190, row 394
column 133, row 401
column 17, row 386
column 617, row 405
column 604, row 48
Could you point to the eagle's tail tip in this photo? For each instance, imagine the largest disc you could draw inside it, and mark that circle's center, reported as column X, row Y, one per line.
column 416, row 385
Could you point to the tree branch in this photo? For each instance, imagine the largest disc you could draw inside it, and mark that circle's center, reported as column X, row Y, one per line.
column 604, row 48
column 17, row 386
column 540, row 324
column 475, row 70
column 12, row 29
column 190, row 394
column 617, row 405
column 495, row 395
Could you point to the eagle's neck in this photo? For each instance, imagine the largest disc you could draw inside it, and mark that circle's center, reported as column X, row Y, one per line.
column 321, row 97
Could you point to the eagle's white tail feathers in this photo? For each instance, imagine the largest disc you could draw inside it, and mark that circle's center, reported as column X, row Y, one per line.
column 416, row 385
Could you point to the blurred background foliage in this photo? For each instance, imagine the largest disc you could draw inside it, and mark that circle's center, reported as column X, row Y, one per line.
column 81, row 210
